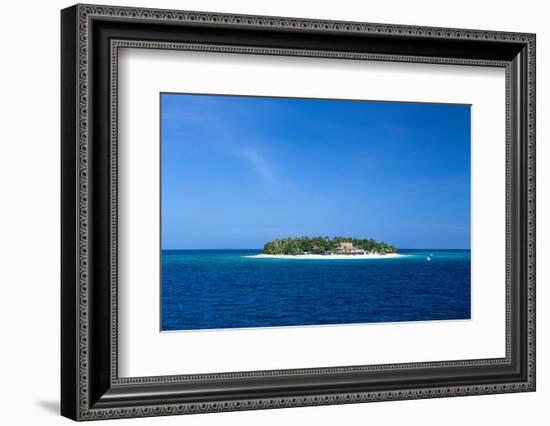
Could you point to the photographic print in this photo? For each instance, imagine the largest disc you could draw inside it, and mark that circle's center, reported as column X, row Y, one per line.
column 280, row 212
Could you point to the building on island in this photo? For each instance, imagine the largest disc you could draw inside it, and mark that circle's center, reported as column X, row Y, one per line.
column 348, row 248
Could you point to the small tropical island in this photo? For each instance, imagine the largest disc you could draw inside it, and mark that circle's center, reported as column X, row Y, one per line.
column 327, row 248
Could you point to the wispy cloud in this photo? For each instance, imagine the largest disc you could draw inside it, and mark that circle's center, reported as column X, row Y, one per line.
column 259, row 163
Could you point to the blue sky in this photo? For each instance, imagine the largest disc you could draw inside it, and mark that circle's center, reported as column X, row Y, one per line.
column 240, row 171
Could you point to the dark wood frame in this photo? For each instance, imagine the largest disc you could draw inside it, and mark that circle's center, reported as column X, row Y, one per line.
column 91, row 37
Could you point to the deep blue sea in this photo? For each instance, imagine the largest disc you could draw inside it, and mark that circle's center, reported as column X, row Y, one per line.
column 212, row 289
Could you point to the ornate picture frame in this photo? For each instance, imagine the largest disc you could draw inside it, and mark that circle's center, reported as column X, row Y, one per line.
column 91, row 37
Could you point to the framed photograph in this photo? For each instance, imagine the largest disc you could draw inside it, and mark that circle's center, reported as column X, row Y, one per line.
column 263, row 212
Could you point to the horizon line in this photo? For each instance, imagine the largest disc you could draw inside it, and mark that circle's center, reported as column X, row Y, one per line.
column 398, row 248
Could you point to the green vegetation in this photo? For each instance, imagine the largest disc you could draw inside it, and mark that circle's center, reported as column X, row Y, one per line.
column 325, row 245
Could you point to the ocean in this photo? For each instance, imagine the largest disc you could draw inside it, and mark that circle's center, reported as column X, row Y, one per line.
column 217, row 289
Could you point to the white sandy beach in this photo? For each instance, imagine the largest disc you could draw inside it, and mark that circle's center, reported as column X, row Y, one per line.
column 329, row 257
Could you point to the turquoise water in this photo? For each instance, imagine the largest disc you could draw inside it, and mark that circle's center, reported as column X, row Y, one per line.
column 213, row 289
